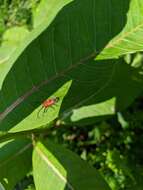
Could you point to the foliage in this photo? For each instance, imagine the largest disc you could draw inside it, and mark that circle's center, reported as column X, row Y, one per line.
column 113, row 146
column 84, row 58
column 16, row 13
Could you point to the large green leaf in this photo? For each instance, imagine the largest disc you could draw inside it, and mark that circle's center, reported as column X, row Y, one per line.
column 65, row 51
column 15, row 161
column 16, row 39
column 54, row 58
column 56, row 168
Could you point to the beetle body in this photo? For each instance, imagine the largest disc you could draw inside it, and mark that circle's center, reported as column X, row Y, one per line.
column 48, row 103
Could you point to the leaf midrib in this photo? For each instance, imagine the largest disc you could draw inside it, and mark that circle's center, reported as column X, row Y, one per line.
column 126, row 34
column 53, row 167
column 16, row 154
column 34, row 89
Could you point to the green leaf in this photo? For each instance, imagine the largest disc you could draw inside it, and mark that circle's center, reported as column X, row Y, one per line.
column 1, row 187
column 64, row 52
column 58, row 168
column 15, row 162
column 54, row 58
column 16, row 39
column 38, row 118
column 99, row 110
column 130, row 39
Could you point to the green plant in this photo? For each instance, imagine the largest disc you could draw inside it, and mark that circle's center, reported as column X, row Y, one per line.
column 86, row 53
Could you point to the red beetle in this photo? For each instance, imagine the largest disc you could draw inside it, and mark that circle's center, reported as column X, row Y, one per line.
column 48, row 103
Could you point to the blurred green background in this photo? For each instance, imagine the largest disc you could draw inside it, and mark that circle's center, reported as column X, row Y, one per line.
column 16, row 13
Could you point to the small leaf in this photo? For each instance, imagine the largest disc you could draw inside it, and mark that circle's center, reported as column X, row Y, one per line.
column 98, row 110
column 34, row 121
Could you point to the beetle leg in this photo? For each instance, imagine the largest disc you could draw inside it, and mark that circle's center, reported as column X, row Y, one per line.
column 38, row 114
column 46, row 109
column 52, row 107
column 55, row 105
